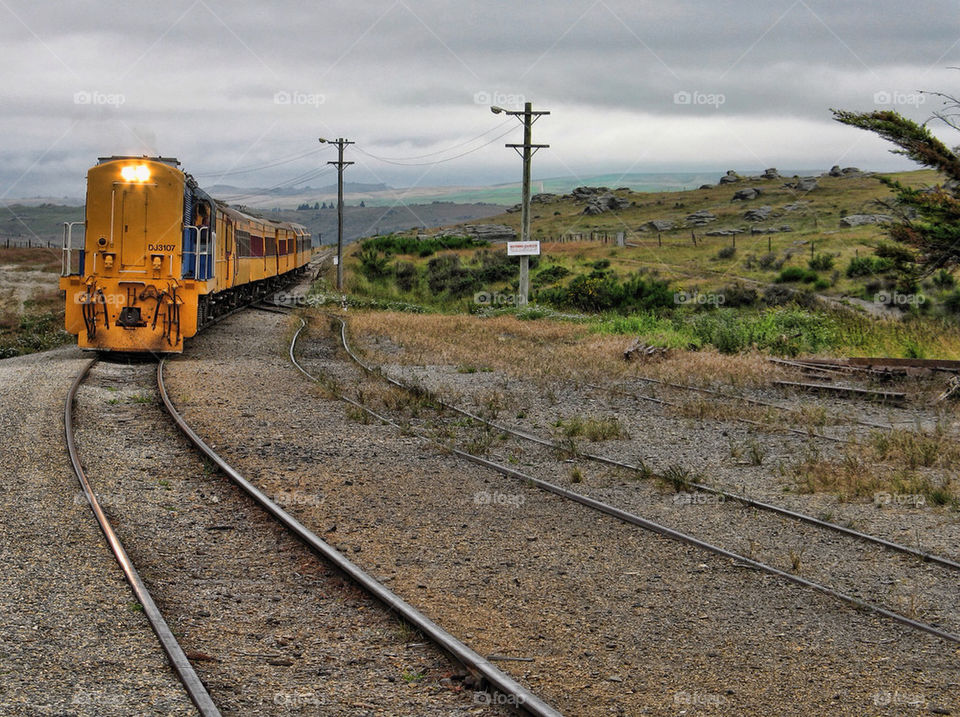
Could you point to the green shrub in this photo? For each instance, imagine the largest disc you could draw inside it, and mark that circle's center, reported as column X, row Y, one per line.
column 550, row 275
column 867, row 265
column 796, row 273
column 727, row 252
column 391, row 244
column 821, row 262
column 372, row 264
column 943, row 279
column 445, row 273
column 405, row 274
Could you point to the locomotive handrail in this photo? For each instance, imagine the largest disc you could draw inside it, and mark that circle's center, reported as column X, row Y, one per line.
column 66, row 257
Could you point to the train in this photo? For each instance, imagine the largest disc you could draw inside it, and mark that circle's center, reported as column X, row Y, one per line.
column 160, row 259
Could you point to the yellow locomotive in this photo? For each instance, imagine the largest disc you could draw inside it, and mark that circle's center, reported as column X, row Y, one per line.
column 160, row 259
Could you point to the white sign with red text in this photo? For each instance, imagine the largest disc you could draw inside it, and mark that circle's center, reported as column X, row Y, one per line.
column 523, row 248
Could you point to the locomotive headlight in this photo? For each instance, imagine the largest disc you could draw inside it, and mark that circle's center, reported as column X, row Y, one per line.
column 135, row 173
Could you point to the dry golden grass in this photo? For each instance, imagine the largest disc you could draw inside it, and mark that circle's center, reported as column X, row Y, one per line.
column 912, row 463
column 541, row 350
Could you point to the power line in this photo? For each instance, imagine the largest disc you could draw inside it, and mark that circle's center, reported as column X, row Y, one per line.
column 439, row 161
column 257, row 168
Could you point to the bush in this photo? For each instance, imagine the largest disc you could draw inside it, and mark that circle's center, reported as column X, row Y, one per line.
column 898, row 255
column 602, row 292
column 821, row 262
column 445, row 273
column 770, row 262
column 405, row 274
column 550, row 275
column 372, row 265
column 867, row 265
column 726, row 253
column 952, row 302
column 943, row 279
column 821, row 284
column 738, row 294
column 391, row 244
column 796, row 273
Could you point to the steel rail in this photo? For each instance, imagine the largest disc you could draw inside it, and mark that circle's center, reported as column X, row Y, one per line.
column 648, row 525
column 739, row 498
column 519, row 696
column 195, row 688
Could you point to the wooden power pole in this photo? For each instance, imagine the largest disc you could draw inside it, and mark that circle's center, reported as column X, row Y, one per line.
column 526, row 151
column 340, row 165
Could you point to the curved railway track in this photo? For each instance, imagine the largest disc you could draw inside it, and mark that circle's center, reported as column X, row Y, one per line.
column 738, row 498
column 175, row 654
column 641, row 522
column 513, row 693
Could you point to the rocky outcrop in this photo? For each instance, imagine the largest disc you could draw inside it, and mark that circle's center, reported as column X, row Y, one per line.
column 605, row 202
column 490, row 232
column 796, row 206
column 835, row 171
column 746, row 193
column 803, row 184
column 659, row 225
column 698, row 219
column 758, row 215
column 771, row 230
column 770, row 173
column 543, row 198
column 858, row 220
column 724, row 232
column 730, row 177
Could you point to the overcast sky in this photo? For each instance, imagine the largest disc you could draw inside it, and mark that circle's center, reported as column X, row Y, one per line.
column 640, row 86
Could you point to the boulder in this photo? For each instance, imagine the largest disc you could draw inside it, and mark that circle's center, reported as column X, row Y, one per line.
column 745, row 194
column 490, row 232
column 757, row 215
column 770, row 173
column 724, row 232
column 807, row 184
column 698, row 219
column 857, row 220
column 730, row 177
column 705, row 186
column 659, row 225
column 835, row 171
column 605, row 202
column 543, row 198
column 795, row 206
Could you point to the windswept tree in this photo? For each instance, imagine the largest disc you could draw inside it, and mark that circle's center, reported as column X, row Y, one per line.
column 929, row 218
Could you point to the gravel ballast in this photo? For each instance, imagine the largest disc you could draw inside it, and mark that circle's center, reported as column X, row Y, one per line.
column 604, row 618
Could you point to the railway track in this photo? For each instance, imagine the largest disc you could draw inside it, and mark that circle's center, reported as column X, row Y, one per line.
column 175, row 654
column 946, row 565
column 525, row 700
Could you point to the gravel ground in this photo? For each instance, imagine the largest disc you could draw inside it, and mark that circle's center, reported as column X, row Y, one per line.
column 738, row 457
column 269, row 628
column 607, row 618
column 72, row 641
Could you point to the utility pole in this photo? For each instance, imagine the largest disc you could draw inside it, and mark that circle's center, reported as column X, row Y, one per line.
column 340, row 165
column 526, row 151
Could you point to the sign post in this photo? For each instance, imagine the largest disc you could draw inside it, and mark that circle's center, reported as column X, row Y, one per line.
column 524, row 249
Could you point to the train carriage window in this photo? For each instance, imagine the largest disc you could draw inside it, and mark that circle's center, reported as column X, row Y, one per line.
column 271, row 247
column 243, row 243
column 282, row 246
column 256, row 246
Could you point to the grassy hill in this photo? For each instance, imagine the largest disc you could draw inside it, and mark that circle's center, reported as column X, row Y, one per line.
column 782, row 283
